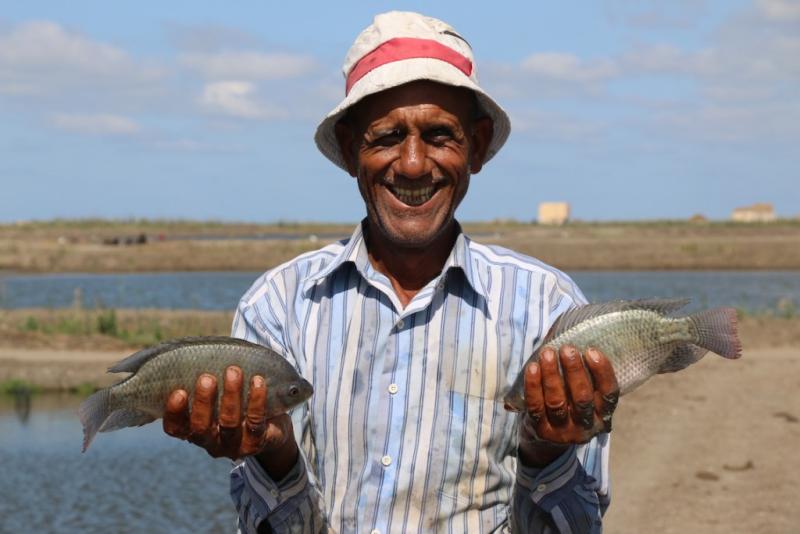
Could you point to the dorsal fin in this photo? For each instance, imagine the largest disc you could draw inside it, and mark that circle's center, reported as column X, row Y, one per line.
column 132, row 363
column 582, row 313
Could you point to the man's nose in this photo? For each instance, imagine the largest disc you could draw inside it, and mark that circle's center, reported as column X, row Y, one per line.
column 413, row 161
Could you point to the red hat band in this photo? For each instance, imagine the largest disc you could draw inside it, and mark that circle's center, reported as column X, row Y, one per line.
column 401, row 48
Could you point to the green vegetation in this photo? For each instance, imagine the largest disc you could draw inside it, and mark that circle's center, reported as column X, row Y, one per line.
column 84, row 389
column 110, row 328
column 16, row 386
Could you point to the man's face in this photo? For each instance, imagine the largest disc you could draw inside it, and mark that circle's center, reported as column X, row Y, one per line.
column 411, row 149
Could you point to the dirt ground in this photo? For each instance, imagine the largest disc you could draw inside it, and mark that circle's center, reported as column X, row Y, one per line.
column 712, row 449
column 78, row 246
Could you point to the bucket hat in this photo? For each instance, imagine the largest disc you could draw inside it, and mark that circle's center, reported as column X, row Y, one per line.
column 401, row 47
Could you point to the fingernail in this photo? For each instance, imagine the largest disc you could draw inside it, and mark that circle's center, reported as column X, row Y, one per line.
column 533, row 368
column 258, row 381
column 593, row 355
column 548, row 355
column 232, row 373
column 570, row 353
column 180, row 395
column 206, row 381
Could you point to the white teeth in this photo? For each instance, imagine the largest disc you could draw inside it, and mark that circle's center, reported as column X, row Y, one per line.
column 413, row 197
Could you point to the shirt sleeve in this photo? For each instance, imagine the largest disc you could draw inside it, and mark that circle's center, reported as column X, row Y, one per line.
column 293, row 504
column 290, row 505
column 570, row 495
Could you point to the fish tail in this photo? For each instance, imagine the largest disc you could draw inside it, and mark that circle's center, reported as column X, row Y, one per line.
column 93, row 412
column 716, row 331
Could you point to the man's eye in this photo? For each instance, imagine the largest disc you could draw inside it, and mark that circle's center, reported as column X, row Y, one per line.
column 439, row 135
column 388, row 138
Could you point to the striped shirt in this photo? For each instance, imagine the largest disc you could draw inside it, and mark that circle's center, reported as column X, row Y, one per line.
column 406, row 430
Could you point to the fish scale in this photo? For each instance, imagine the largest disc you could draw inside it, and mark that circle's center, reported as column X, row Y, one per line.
column 640, row 339
column 176, row 364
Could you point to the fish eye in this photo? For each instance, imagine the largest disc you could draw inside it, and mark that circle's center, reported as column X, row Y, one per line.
column 293, row 391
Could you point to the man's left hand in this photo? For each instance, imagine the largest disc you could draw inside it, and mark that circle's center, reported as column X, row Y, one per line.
column 568, row 409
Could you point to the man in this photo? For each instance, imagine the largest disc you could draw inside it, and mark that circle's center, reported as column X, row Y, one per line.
column 410, row 333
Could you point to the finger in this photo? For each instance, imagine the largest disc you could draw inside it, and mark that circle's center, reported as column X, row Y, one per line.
column 534, row 397
column 255, row 418
column 205, row 395
column 230, row 410
column 555, row 396
column 605, row 384
column 176, row 414
column 579, row 387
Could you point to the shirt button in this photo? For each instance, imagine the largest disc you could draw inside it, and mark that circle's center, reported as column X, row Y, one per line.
column 275, row 493
column 386, row 461
column 400, row 324
column 541, row 487
column 393, row 388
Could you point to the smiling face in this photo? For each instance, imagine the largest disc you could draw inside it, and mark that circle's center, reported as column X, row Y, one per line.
column 412, row 149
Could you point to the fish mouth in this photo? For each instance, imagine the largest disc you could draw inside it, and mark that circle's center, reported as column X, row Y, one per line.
column 415, row 194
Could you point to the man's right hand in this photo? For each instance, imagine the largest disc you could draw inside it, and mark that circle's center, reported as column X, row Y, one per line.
column 234, row 434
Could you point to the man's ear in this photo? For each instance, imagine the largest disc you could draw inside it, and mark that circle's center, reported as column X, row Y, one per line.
column 346, row 137
column 482, row 132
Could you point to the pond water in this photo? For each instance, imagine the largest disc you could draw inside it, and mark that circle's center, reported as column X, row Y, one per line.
column 132, row 480
column 749, row 290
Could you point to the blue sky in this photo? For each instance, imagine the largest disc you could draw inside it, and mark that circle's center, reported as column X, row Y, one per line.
column 626, row 109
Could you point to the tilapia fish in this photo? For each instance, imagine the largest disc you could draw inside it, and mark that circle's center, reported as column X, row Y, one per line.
column 641, row 338
column 176, row 364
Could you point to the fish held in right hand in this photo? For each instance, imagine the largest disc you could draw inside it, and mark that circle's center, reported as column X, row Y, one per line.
column 176, row 365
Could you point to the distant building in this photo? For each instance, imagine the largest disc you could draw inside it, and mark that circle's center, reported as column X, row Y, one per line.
column 759, row 212
column 698, row 218
column 553, row 213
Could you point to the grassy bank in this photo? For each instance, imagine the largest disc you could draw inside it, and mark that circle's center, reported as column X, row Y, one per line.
column 84, row 246
column 105, row 329
column 69, row 350
column 123, row 329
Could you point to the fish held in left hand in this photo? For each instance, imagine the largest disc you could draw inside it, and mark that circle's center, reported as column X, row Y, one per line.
column 158, row 370
column 641, row 338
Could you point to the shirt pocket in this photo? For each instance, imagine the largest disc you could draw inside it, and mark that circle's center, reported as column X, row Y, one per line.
column 475, row 441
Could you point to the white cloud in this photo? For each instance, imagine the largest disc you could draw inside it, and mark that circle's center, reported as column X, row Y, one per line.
column 248, row 65
column 560, row 66
column 740, row 85
column 236, row 99
column 41, row 57
column 780, row 10
column 95, row 124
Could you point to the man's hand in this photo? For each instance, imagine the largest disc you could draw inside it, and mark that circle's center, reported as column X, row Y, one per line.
column 568, row 409
column 234, row 434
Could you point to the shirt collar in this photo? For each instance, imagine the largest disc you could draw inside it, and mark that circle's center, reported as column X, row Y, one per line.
column 355, row 253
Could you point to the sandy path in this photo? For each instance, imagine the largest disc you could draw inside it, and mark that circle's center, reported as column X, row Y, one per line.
column 711, row 449
column 58, row 369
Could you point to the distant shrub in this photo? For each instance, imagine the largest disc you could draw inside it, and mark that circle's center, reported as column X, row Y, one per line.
column 16, row 386
column 31, row 324
column 107, row 323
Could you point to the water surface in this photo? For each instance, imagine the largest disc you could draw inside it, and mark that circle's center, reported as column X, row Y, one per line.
column 750, row 290
column 132, row 480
